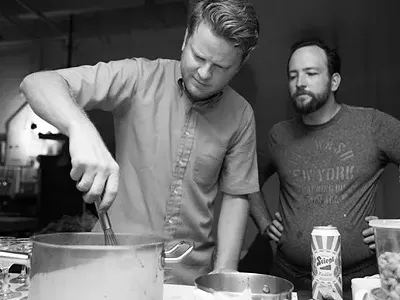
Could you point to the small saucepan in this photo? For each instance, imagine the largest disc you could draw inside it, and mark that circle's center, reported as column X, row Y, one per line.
column 249, row 286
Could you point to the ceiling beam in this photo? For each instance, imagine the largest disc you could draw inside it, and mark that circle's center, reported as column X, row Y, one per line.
column 41, row 17
column 19, row 25
column 57, row 8
column 99, row 23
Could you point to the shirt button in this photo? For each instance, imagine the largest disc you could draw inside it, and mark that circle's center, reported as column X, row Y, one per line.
column 181, row 162
column 173, row 220
column 187, row 133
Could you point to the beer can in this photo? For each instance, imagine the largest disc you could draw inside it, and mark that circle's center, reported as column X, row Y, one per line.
column 326, row 263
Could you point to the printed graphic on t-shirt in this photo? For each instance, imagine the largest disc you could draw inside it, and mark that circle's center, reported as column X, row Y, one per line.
column 323, row 171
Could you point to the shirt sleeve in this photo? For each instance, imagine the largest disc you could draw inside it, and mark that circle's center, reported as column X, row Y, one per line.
column 386, row 130
column 104, row 85
column 239, row 175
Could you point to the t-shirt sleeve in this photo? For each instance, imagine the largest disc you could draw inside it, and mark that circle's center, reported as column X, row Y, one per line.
column 239, row 175
column 104, row 85
column 386, row 131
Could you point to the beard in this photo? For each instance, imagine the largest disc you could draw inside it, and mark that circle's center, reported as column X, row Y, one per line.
column 317, row 100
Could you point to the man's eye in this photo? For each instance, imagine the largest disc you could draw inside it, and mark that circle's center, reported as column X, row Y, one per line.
column 198, row 58
column 311, row 74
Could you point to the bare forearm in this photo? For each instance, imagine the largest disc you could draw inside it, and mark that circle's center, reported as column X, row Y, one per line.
column 93, row 167
column 231, row 228
column 259, row 211
column 48, row 95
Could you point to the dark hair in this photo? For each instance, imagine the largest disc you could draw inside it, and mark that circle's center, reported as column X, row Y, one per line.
column 234, row 20
column 332, row 56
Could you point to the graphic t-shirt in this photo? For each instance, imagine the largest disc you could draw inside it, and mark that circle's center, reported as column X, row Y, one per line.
column 328, row 176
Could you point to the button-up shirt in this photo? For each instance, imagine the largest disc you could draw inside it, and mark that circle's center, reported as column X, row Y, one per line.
column 174, row 154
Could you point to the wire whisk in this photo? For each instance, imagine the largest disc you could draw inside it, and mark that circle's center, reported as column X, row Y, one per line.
column 109, row 236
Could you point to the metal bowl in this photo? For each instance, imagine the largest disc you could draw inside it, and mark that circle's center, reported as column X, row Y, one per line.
column 235, row 283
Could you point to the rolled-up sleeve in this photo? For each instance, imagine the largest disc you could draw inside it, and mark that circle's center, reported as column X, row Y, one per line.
column 104, row 85
column 239, row 175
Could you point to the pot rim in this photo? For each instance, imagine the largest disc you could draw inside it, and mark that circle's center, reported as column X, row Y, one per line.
column 38, row 239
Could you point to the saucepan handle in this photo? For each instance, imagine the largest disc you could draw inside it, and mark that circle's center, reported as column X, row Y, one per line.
column 168, row 254
column 16, row 258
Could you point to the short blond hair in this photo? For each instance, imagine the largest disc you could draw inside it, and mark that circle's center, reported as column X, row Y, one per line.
column 234, row 20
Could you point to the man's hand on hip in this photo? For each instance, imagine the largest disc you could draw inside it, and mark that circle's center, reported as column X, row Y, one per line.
column 274, row 230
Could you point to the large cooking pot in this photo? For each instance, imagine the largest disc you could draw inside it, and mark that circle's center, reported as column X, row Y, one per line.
column 236, row 285
column 67, row 266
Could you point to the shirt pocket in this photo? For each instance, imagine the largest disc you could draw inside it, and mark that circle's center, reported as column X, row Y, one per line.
column 208, row 163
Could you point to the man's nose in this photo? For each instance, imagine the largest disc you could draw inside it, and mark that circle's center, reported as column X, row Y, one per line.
column 300, row 82
column 205, row 71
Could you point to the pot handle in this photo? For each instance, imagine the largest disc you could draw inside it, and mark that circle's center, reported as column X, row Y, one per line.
column 15, row 258
column 171, row 260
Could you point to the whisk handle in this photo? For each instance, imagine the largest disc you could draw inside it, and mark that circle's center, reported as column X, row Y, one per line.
column 103, row 217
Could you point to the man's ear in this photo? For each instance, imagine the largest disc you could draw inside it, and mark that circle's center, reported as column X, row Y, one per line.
column 185, row 39
column 335, row 81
